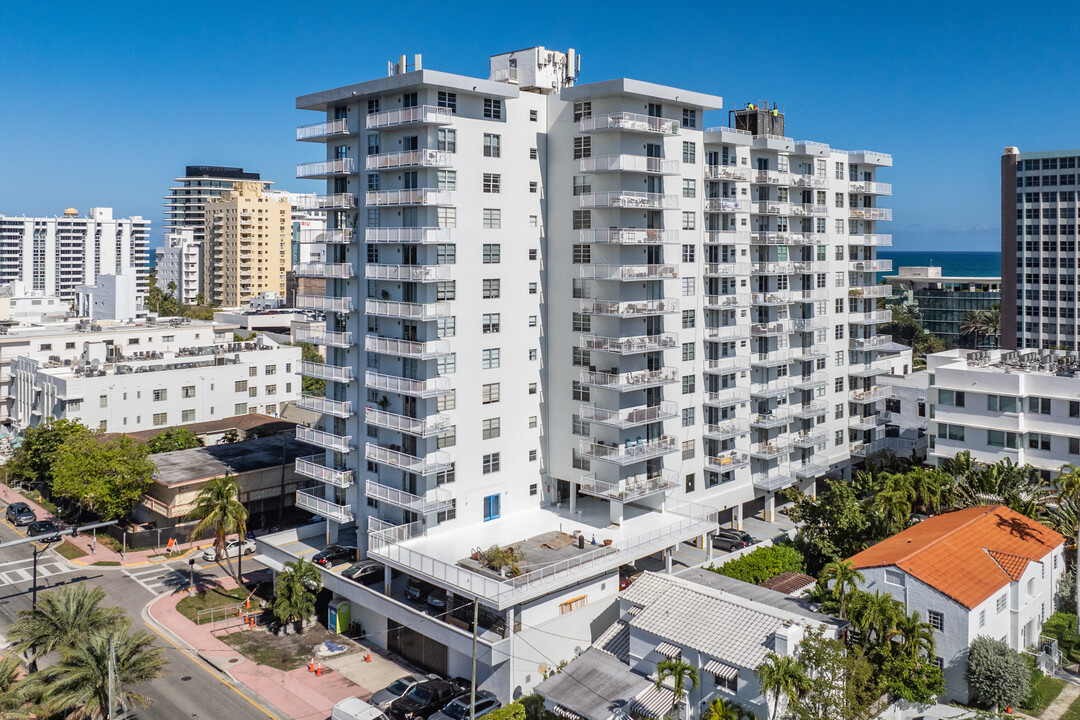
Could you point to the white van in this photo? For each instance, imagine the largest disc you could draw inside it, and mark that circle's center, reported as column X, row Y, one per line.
column 356, row 709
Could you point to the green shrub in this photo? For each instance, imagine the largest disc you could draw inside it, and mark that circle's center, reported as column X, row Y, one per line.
column 997, row 674
column 1062, row 627
column 764, row 563
column 513, row 711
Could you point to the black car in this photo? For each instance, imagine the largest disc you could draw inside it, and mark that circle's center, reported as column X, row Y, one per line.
column 19, row 513
column 732, row 540
column 42, row 527
column 417, row 590
column 436, row 598
column 365, row 572
column 424, row 700
column 333, row 554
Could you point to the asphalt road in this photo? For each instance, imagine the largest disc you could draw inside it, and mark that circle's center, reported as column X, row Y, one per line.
column 190, row 689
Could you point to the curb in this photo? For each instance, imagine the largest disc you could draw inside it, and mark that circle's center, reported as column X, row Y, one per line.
column 177, row 556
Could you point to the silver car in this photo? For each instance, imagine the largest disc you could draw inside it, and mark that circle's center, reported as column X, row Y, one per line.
column 459, row 709
column 394, row 690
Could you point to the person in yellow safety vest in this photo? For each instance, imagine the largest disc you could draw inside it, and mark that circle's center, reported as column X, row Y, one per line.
column 775, row 112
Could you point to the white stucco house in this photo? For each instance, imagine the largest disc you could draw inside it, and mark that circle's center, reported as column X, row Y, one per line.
column 979, row 571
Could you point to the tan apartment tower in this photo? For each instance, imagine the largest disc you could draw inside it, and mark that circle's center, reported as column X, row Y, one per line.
column 247, row 247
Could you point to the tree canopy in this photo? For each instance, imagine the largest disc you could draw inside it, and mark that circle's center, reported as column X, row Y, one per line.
column 107, row 477
column 33, row 459
column 174, row 438
column 996, row 674
column 763, row 563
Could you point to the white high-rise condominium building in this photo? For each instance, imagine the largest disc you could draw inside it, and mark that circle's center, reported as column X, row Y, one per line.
column 556, row 308
column 184, row 206
column 56, row 254
column 180, row 261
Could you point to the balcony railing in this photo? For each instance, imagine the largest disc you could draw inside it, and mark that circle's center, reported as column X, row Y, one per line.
column 779, row 327
column 319, row 404
column 334, row 236
column 875, row 393
column 771, row 388
column 809, row 409
column 871, row 266
column 727, row 396
column 781, row 297
column 871, row 291
column 730, row 460
column 424, row 427
column 725, row 365
column 870, row 239
column 808, row 324
column 323, row 337
column 866, row 421
column 808, row 469
column 773, row 448
column 628, row 489
column 870, row 318
column 770, row 207
column 728, row 429
column 727, row 332
column 630, row 451
column 326, row 168
column 629, row 345
column 870, row 188
column 778, row 416
column 870, row 343
column 726, row 204
column 312, row 467
column 413, row 196
column 320, row 302
column 773, row 480
column 431, row 387
column 427, row 350
column 773, row 268
column 324, row 508
column 629, row 163
column 429, row 464
column 809, row 210
column 630, row 380
column 630, row 308
column 872, row 213
column 719, row 302
column 629, row 122
column 323, row 439
column 628, row 199
column 727, row 269
column 628, row 236
column 322, row 371
column 727, row 237
column 727, row 172
column 341, row 271
column 810, row 381
column 628, row 272
column 809, row 438
column 428, row 114
column 408, row 273
column 408, row 236
column 409, row 158
column 408, row 311
column 437, row 501
column 318, row 132
column 336, row 201
column 875, row 367
column 808, row 181
column 629, row 417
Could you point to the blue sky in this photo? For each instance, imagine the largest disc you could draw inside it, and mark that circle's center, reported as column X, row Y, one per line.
column 103, row 104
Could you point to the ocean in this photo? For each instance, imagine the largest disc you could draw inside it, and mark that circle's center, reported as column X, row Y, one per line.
column 964, row 264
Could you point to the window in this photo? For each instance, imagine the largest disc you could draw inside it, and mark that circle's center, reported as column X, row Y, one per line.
column 253, row 391
column 447, row 439
column 271, row 389
column 951, row 432
column 582, row 109
column 1002, row 601
column 103, row 401
column 73, row 405
column 689, row 286
column 444, row 365
column 581, row 392
column 446, row 290
column 532, row 320
column 1038, row 405
column 572, row 605
column 689, row 152
column 534, row 115
column 939, row 662
column 688, row 253
column 532, row 353
column 491, row 463
column 532, row 421
column 1038, row 441
column 951, row 397
column 447, row 140
column 1074, row 446
column 447, row 100
column 492, row 219
column 1000, row 403
column 1074, row 408
column 447, row 179
column 895, row 577
column 492, row 253
column 533, row 288
column 688, row 319
column 491, row 288
column 444, row 328
column 240, row 386
column 1001, row 439
column 688, row 350
column 492, row 181
column 579, row 426
column 490, row 428
column 533, row 387
column 582, row 147
column 161, row 419
column 688, row 417
column 982, row 618
column 447, row 401
column 936, row 620
column 689, row 188
column 491, row 323
column 582, row 184
column 689, row 220
column 533, row 153
column 489, row 393
column 689, row 382
column 187, row 416
column 534, row 186
column 493, row 108
column 489, row 358
column 582, row 219
column 689, row 118
column 491, row 145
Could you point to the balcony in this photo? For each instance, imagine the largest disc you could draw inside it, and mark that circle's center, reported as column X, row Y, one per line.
column 629, row 163
column 340, row 271
column 771, row 449
column 629, row 417
column 770, row 207
column 626, row 381
column 326, row 168
column 772, row 358
column 779, row 327
column 408, row 273
column 630, row 122
column 727, row 429
column 868, row 187
column 811, row 381
column 408, row 236
column 773, row 480
column 409, row 159
column 726, row 365
column 334, row 236
column 426, row 427
column 727, row 332
column 428, row 465
column 772, row 388
column 630, row 308
column 866, row 213
column 727, row 396
column 770, row 177
column 807, row 469
column 870, row 343
column 727, row 172
column 875, row 367
column 721, row 302
column 809, row 409
column 436, row 501
column 781, row 297
column 726, row 269
column 337, row 201
column 319, row 132
column 808, row 181
column 871, row 266
column 871, row 291
column 628, row 199
column 875, row 317
column 424, row 114
column 413, row 196
column 868, row 421
column 428, row 350
column 875, row 393
column 322, row 371
column 870, row 240
column 628, row 236
column 809, row 210
column 323, row 439
column 726, row 204
column 321, row 302
column 326, row 406
column 866, row 449
column 628, row 272
column 727, row 461
column 324, row 508
column 773, row 268
column 809, row 438
column 408, row 311
column 809, row 324
column 631, row 451
column 727, row 237
column 432, row 387
column 777, row 417
column 323, row 337
column 312, row 467
column 629, row 345
column 630, row 488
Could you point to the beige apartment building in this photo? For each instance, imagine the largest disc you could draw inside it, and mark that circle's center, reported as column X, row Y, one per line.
column 247, row 246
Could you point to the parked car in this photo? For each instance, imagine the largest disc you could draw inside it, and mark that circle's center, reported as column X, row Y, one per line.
column 417, row 590
column 233, row 549
column 396, row 689
column 19, row 513
column 459, row 709
column 436, row 598
column 627, row 575
column 732, row 540
column 365, row 572
column 356, row 709
column 334, row 554
column 424, row 700
column 42, row 527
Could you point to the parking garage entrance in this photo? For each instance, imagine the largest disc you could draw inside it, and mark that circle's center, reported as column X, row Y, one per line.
column 417, row 649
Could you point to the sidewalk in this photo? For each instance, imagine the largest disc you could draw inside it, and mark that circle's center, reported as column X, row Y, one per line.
column 297, row 694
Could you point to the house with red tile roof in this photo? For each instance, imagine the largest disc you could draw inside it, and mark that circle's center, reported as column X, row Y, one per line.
column 980, row 571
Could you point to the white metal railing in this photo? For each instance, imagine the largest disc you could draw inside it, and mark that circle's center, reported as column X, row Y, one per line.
column 771, row 207
column 777, row 416
column 628, row 199
column 809, row 209
column 629, row 345
column 870, row 239
column 334, row 236
column 875, row 317
column 780, row 327
column 323, row 439
column 811, row 352
column 727, row 269
column 727, row 332
column 728, row 428
column 879, row 265
column 812, row 294
column 864, row 422
column 810, row 181
column 727, row 172
column 736, row 131
column 629, row 163
column 409, row 273
column 726, row 204
column 506, row 74
column 629, row 417
column 770, row 177
column 875, row 367
column 869, row 155
column 728, row 396
column 438, row 500
column 772, row 448
column 777, row 297
column 631, row 451
column 773, row 479
column 320, row 302
column 323, row 337
column 431, row 463
column 729, row 460
column 806, row 324
column 870, row 188
column 409, row 158
column 324, row 508
column 324, row 202
column 630, row 380
column 404, row 116
column 312, row 467
column 318, row 130
column 773, row 268
column 407, row 310
column 629, row 121
column 806, row 438
column 340, row 271
column 808, row 469
column 735, row 300
column 871, row 291
column 339, row 166
column 869, row 343
column 629, row 488
column 408, row 235
column 734, row 363
column 814, row 407
column 772, row 387
column 407, row 386
column 875, row 393
column 628, row 272
column 319, row 404
column 412, row 196
column 322, row 371
column 866, row 213
column 628, row 236
column 406, row 348
column 810, row 380
column 424, row 427
column 630, row 307
column 727, row 237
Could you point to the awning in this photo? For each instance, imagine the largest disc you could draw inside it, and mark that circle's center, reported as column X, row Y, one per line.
column 633, row 610
column 567, row 713
column 654, row 702
column 668, row 650
column 722, row 671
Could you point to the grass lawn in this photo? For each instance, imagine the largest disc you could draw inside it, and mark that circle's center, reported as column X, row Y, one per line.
column 1073, row 713
column 190, row 606
column 69, row 551
column 284, row 653
column 107, row 563
column 1044, row 694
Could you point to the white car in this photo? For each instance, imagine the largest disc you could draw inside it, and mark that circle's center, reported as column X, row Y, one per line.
column 233, row 549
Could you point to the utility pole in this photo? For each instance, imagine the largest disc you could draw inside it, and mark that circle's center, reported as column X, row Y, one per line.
column 472, row 685
column 112, row 677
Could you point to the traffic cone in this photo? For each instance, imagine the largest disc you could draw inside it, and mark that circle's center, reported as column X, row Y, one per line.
column 311, row 664
column 249, row 603
column 318, row 669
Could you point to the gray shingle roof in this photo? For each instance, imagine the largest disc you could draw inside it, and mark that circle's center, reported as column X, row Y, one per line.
column 594, row 684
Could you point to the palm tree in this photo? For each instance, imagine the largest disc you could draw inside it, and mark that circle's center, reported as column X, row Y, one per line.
column 893, row 502
column 928, row 486
column 1068, row 488
column 845, row 578
column 218, row 506
column 916, row 636
column 78, row 685
column 63, row 618
column 875, row 615
column 782, row 676
column 681, row 674
column 721, row 709
column 13, row 702
column 294, row 592
column 991, row 319
column 972, row 323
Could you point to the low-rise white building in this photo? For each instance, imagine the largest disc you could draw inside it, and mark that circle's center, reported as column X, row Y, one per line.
column 979, row 571
column 19, row 304
column 180, row 261
column 126, row 392
column 112, row 297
